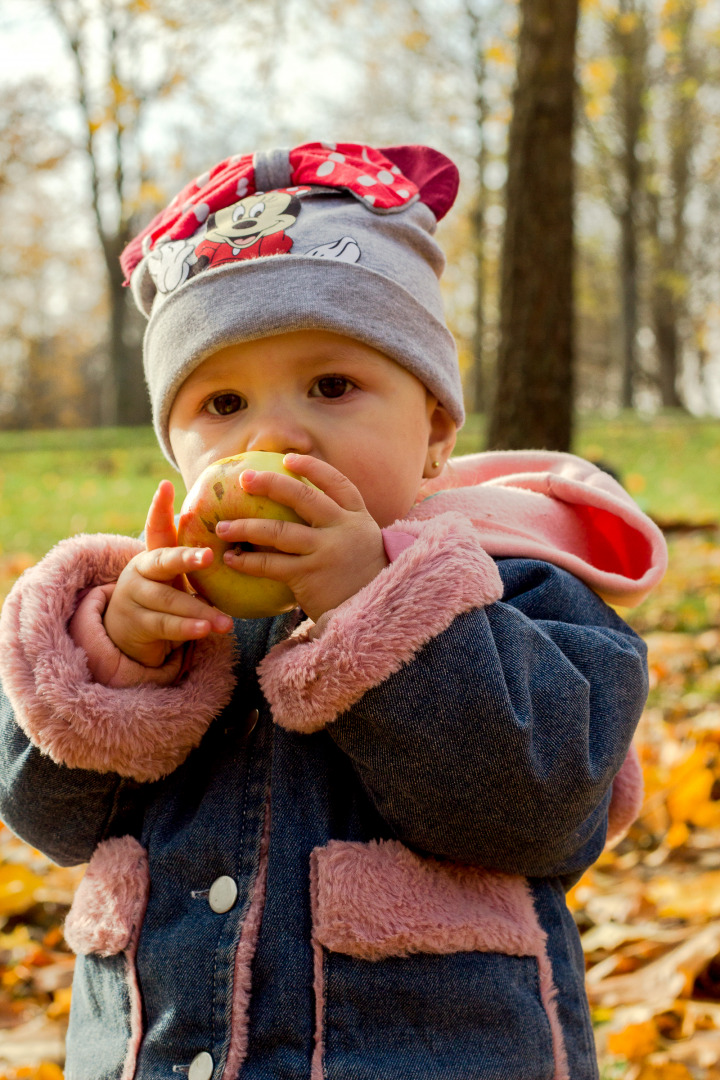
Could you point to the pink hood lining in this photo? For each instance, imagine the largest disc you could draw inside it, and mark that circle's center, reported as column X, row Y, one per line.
column 558, row 508
column 143, row 731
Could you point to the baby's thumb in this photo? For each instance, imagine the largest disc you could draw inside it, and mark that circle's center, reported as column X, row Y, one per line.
column 160, row 530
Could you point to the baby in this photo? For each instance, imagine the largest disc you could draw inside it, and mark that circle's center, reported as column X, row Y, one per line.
column 335, row 842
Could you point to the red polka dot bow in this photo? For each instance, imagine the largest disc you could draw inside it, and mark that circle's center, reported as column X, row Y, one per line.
column 375, row 177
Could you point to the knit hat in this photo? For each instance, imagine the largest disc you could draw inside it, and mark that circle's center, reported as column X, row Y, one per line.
column 327, row 236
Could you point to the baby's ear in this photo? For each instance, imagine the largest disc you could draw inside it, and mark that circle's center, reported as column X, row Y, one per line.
column 434, row 174
column 443, row 433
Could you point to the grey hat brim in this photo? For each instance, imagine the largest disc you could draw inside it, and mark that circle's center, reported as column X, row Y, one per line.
column 268, row 296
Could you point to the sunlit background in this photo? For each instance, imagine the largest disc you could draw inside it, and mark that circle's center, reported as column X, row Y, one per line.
column 107, row 108
column 128, row 99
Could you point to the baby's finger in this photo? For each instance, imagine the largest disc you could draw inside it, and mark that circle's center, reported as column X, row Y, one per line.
column 309, row 503
column 161, row 626
column 269, row 564
column 154, row 598
column 160, row 528
column 166, row 563
column 283, row 536
column 329, row 479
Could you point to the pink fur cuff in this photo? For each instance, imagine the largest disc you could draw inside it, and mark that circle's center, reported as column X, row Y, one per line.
column 142, row 731
column 322, row 670
column 109, row 905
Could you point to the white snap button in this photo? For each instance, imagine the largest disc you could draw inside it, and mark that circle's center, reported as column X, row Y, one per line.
column 223, row 894
column 201, row 1066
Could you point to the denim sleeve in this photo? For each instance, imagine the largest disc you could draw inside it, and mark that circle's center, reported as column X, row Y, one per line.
column 499, row 742
column 63, row 812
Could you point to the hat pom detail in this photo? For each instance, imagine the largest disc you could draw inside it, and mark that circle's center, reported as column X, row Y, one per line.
column 435, row 175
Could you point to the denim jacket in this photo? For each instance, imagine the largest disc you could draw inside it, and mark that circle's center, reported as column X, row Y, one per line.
column 341, row 850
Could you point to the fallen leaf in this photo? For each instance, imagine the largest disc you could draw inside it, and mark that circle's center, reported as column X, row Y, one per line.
column 669, row 1071
column 679, row 898
column 60, row 1004
column 659, row 983
column 635, row 1041
column 702, row 1049
column 18, row 887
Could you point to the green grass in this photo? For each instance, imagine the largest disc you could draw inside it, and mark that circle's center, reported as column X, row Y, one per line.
column 669, row 463
column 56, row 483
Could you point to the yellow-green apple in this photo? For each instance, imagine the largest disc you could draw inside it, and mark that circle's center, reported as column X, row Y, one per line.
column 216, row 496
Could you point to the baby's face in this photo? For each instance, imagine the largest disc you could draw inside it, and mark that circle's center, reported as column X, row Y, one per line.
column 319, row 393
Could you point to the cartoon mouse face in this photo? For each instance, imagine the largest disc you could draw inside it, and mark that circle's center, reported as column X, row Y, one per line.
column 262, row 214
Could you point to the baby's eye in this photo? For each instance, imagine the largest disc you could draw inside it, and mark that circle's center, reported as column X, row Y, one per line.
column 225, row 404
column 332, row 386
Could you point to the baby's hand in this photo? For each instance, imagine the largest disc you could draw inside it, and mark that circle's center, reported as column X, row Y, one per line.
column 324, row 562
column 152, row 611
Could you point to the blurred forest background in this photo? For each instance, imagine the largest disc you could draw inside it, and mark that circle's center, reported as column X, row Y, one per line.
column 107, row 107
column 583, row 286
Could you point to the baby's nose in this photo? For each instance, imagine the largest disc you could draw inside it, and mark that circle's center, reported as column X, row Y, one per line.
column 281, row 438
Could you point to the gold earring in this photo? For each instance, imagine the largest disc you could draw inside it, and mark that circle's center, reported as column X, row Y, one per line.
column 436, row 464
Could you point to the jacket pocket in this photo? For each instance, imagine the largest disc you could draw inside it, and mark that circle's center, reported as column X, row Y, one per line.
column 102, row 927
column 428, row 969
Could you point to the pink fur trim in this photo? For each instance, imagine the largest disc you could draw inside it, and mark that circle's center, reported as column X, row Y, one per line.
column 555, row 507
column 143, row 731
column 106, row 663
column 316, row 1064
column 110, row 901
column 243, row 961
column 106, row 916
column 136, row 1028
column 319, row 672
column 379, row 899
column 548, row 996
column 627, row 797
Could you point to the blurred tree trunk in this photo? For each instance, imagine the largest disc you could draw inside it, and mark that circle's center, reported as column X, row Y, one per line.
column 131, row 402
column 477, row 391
column 629, row 42
column 534, row 399
column 128, row 56
column 667, row 215
column 110, row 130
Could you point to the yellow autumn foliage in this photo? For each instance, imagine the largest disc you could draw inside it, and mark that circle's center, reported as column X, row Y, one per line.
column 678, row 899
column 635, row 1041
column 671, row 1070
column 60, row 1004
column 18, row 887
column 47, row 1070
column 688, row 801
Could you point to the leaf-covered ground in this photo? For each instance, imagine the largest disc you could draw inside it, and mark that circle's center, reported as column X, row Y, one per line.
column 648, row 912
